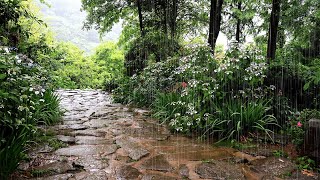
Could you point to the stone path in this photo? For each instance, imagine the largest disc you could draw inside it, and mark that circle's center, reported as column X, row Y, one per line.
column 112, row 141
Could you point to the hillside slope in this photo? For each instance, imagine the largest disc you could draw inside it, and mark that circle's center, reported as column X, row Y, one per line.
column 66, row 20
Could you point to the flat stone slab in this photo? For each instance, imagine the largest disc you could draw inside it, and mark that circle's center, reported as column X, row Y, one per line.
column 92, row 163
column 218, row 170
column 92, row 140
column 156, row 176
column 135, row 150
column 55, row 167
column 88, row 132
column 97, row 123
column 273, row 166
column 127, row 172
column 85, row 150
column 73, row 122
column 74, row 127
column 55, row 177
column 157, row 163
column 93, row 175
column 66, row 139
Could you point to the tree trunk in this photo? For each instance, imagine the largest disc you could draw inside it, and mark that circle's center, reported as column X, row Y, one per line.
column 215, row 22
column 173, row 25
column 273, row 30
column 165, row 18
column 238, row 32
column 140, row 18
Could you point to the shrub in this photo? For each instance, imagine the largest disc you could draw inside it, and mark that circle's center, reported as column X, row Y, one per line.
column 22, row 89
column 297, row 125
column 48, row 110
column 239, row 118
column 197, row 92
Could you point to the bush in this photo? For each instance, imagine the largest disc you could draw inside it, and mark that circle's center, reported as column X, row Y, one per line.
column 297, row 125
column 199, row 93
column 48, row 110
column 24, row 102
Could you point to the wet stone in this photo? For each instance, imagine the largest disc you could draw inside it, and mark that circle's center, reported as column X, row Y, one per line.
column 122, row 158
column 74, row 127
column 156, row 176
column 84, row 150
column 218, row 170
column 92, row 140
column 88, row 132
column 246, row 157
column 184, row 171
column 90, row 162
column 135, row 150
column 73, row 122
column 97, row 123
column 273, row 166
column 44, row 149
column 99, row 114
column 73, row 117
column 66, row 139
column 55, row 167
column 55, row 177
column 157, row 163
column 127, row 172
column 93, row 175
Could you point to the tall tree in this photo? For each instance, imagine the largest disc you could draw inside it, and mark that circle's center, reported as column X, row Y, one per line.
column 215, row 22
column 273, row 30
column 140, row 18
column 238, row 30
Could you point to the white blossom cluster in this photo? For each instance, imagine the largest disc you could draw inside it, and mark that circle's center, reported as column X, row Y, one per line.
column 255, row 70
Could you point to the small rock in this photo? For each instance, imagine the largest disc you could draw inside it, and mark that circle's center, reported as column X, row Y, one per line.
column 184, row 171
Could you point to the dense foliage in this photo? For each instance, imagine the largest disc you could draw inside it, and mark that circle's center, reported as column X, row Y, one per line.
column 76, row 70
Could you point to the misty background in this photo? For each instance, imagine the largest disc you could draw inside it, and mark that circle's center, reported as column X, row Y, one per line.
column 66, row 19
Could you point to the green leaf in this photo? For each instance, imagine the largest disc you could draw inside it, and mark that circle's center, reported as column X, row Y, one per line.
column 2, row 76
column 306, row 86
